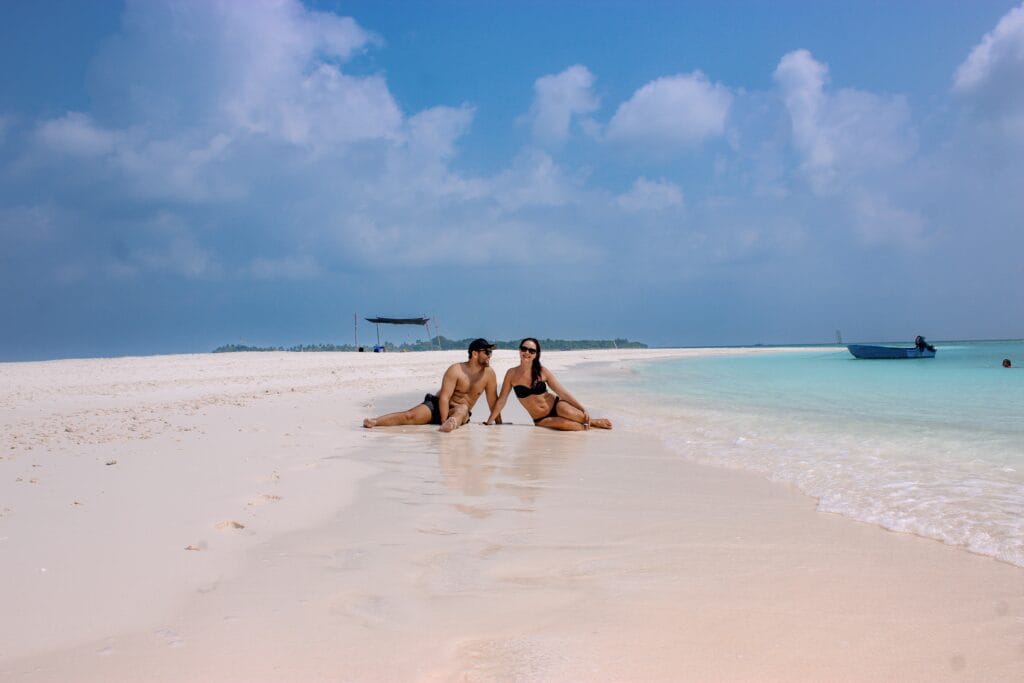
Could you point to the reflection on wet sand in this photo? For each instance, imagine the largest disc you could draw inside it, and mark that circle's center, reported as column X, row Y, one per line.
column 520, row 460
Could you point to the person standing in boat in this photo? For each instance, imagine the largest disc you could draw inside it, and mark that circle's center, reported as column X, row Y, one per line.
column 922, row 345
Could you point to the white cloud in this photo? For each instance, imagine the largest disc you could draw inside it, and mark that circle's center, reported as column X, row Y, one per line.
column 991, row 79
column 271, row 68
column 477, row 241
column 286, row 268
column 534, row 179
column 182, row 255
column 878, row 222
column 433, row 132
column 844, row 134
column 185, row 90
column 1000, row 49
column 190, row 95
column 242, row 67
column 77, row 135
column 557, row 98
column 651, row 195
column 171, row 247
column 328, row 108
column 677, row 110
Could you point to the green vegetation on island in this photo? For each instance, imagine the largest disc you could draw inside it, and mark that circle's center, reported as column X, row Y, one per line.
column 445, row 344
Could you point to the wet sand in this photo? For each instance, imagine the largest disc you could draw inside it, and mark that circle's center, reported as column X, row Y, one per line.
column 494, row 553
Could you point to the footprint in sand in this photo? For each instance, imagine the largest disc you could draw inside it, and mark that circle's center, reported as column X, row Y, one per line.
column 170, row 637
column 229, row 524
column 266, row 498
column 367, row 608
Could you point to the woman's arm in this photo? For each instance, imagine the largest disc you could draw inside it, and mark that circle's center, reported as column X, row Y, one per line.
column 562, row 392
column 506, row 388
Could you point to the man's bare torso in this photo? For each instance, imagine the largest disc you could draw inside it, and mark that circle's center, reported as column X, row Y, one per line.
column 468, row 385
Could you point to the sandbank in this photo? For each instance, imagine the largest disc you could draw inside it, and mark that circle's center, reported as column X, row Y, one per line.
column 225, row 518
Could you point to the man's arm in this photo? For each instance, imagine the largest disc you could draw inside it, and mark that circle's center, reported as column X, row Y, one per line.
column 444, row 397
column 506, row 387
column 492, row 393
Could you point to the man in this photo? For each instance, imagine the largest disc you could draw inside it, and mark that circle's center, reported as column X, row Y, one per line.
column 461, row 386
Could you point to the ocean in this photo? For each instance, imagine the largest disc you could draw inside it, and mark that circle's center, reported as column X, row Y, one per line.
column 933, row 447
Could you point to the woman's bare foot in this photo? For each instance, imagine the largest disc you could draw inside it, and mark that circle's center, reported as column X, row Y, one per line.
column 369, row 423
column 601, row 423
column 449, row 425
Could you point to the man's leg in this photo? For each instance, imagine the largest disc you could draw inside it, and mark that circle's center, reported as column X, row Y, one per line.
column 420, row 415
column 457, row 416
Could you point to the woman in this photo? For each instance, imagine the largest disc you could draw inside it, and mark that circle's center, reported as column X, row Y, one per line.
column 530, row 380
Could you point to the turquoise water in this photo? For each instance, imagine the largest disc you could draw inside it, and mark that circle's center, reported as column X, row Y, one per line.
column 929, row 446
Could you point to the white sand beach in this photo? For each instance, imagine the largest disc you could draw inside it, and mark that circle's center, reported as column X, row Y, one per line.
column 224, row 517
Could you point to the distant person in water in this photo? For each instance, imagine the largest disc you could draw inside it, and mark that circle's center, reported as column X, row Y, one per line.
column 1007, row 363
column 461, row 386
column 530, row 380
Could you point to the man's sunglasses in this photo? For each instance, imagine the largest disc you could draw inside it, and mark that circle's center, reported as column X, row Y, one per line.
column 527, row 349
column 487, row 351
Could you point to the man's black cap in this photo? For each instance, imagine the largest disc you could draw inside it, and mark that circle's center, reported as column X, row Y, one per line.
column 480, row 345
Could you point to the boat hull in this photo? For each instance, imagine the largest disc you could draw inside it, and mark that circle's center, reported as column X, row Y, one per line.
column 881, row 352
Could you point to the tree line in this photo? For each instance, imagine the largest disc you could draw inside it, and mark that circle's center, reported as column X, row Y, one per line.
column 445, row 344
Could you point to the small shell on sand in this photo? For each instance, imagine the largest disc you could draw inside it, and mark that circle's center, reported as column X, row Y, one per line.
column 192, row 547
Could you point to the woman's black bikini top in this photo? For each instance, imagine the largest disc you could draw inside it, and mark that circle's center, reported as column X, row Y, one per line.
column 522, row 391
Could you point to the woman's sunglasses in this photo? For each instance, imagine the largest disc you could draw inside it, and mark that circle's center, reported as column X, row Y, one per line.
column 527, row 349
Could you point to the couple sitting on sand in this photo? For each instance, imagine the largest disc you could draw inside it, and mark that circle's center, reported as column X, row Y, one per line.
column 463, row 383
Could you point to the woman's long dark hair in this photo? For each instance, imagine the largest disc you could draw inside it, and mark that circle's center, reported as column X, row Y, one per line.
column 535, row 370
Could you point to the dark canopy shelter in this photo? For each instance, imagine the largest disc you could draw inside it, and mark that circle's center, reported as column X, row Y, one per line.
column 378, row 321
column 399, row 321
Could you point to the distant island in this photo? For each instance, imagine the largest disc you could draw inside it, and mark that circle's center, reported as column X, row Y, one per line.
column 445, row 344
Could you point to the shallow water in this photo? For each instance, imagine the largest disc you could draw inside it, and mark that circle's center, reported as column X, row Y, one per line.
column 930, row 446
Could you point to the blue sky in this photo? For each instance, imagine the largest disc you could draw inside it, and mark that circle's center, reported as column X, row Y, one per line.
column 174, row 176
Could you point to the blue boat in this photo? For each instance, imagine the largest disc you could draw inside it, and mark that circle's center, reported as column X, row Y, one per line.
column 920, row 349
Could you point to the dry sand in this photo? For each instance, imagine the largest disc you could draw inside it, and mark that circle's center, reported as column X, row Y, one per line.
column 224, row 518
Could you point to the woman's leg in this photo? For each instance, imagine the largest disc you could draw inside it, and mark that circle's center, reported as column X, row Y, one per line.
column 561, row 424
column 571, row 412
